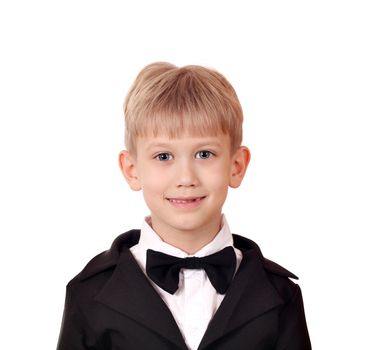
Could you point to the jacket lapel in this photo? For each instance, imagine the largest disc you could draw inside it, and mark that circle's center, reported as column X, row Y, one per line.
column 250, row 295
column 142, row 303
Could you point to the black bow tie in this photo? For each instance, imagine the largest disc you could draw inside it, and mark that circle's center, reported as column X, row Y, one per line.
column 164, row 269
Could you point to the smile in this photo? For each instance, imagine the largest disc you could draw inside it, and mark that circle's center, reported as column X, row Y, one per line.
column 191, row 202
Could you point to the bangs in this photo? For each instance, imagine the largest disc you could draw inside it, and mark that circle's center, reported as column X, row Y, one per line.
column 176, row 118
column 176, row 124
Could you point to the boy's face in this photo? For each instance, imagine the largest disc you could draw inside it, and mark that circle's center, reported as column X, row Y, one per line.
column 185, row 181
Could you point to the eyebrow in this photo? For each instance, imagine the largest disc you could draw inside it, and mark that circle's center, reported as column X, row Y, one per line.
column 206, row 143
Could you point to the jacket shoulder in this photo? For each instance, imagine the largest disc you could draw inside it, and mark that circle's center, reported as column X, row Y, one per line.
column 277, row 275
column 269, row 265
column 108, row 259
column 276, row 269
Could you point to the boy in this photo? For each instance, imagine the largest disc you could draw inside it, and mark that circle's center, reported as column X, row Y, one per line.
column 183, row 281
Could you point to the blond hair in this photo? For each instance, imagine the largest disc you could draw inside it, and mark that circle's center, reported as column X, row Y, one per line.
column 169, row 100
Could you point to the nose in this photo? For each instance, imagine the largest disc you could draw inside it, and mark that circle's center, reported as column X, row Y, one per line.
column 186, row 174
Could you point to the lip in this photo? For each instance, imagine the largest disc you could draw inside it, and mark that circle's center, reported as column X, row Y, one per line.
column 186, row 202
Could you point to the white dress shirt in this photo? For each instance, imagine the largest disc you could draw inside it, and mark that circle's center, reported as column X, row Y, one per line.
column 196, row 301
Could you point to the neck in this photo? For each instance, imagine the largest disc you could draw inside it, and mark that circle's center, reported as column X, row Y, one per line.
column 188, row 241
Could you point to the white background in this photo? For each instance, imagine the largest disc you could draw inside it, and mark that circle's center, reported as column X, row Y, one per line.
column 302, row 72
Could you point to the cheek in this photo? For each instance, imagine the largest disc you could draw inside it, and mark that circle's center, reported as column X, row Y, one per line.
column 218, row 183
column 149, row 178
column 150, row 185
column 153, row 184
column 153, row 193
column 218, row 177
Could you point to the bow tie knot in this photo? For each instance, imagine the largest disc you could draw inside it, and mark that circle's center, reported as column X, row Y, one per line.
column 163, row 269
column 193, row 263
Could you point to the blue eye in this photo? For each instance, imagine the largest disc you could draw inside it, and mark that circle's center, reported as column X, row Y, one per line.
column 203, row 154
column 164, row 157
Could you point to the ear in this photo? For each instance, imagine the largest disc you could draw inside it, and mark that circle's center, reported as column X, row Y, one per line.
column 128, row 168
column 240, row 161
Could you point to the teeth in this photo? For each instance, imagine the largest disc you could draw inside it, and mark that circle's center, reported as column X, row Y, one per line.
column 183, row 201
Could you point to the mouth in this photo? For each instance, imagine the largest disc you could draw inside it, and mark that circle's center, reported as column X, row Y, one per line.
column 186, row 202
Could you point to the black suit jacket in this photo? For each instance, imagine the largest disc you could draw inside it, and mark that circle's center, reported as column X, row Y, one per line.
column 112, row 305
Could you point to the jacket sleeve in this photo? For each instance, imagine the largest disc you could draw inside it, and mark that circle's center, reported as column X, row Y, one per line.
column 75, row 334
column 293, row 333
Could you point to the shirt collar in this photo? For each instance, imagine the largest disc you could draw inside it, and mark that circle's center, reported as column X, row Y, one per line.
column 149, row 239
